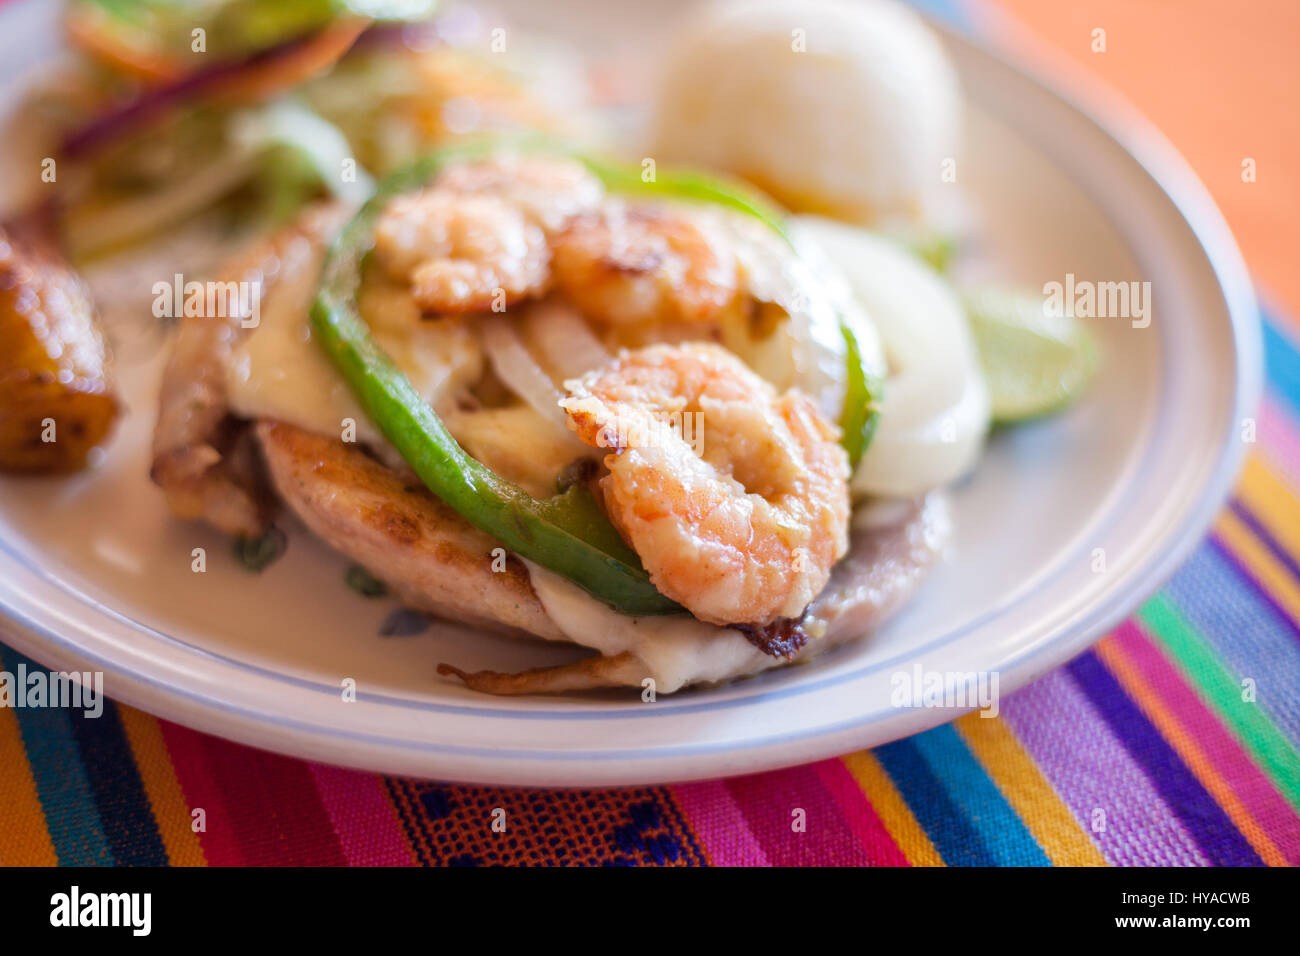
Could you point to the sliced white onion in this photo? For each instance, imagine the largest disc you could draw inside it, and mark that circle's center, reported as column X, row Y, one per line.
column 935, row 410
column 567, row 345
column 844, row 309
column 517, row 368
column 808, row 351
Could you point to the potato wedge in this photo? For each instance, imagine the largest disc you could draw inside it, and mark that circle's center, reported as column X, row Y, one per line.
column 56, row 400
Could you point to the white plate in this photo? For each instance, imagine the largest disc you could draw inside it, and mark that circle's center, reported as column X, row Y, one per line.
column 95, row 575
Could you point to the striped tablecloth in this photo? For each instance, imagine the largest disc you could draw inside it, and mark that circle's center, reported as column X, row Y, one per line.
column 1142, row 751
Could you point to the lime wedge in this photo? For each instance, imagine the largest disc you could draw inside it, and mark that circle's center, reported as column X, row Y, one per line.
column 1035, row 362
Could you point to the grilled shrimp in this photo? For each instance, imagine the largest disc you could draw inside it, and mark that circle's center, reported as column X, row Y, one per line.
column 548, row 190
column 740, row 528
column 462, row 252
column 637, row 265
column 478, row 238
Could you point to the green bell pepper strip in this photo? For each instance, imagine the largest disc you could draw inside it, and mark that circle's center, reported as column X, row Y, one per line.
column 683, row 184
column 861, row 411
column 567, row 534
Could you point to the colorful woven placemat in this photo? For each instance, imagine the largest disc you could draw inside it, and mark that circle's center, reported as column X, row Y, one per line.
column 1142, row 751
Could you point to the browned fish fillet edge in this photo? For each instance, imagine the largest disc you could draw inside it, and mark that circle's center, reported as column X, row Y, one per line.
column 590, row 673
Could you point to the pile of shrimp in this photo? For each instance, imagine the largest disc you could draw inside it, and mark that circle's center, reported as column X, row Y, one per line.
column 492, row 234
column 741, row 520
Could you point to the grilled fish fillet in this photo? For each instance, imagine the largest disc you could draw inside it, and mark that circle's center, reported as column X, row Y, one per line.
column 426, row 553
column 435, row 561
column 887, row 561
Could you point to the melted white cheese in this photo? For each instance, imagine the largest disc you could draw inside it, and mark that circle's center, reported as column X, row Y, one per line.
column 676, row 649
column 279, row 372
